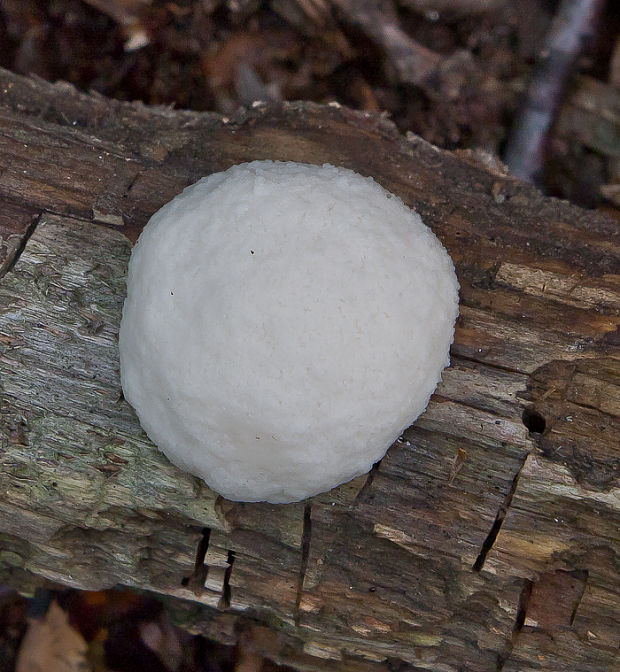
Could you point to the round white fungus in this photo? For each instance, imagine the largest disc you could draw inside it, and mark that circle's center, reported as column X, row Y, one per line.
column 284, row 323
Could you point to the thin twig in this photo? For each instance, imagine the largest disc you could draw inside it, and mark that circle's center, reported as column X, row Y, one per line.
column 378, row 20
column 573, row 24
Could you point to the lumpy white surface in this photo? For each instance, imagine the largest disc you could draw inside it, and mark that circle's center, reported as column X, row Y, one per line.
column 283, row 324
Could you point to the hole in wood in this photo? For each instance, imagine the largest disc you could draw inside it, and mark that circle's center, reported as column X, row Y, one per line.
column 200, row 570
column 534, row 421
column 305, row 554
column 227, row 593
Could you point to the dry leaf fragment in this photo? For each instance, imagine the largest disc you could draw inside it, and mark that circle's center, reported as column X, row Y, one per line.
column 52, row 645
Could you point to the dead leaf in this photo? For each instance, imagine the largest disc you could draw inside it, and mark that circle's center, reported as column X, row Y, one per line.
column 52, row 645
column 161, row 637
column 96, row 651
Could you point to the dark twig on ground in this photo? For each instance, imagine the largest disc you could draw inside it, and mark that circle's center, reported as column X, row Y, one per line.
column 412, row 62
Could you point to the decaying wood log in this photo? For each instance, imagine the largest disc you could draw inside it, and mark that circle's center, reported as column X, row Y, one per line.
column 487, row 538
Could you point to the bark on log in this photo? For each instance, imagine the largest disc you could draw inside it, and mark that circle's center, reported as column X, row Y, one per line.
column 488, row 536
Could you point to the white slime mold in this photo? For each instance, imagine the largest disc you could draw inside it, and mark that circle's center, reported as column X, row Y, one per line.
column 284, row 323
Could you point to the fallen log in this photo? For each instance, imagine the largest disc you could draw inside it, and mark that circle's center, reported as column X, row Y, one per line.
column 486, row 539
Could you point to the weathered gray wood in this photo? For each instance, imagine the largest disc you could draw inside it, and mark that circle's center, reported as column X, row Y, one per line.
column 476, row 544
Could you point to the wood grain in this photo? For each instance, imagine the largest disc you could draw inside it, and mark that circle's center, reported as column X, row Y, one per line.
column 488, row 536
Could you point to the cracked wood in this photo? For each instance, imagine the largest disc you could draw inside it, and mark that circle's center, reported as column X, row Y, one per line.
column 513, row 469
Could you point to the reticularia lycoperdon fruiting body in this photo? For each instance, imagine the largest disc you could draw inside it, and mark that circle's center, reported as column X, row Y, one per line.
column 284, row 323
